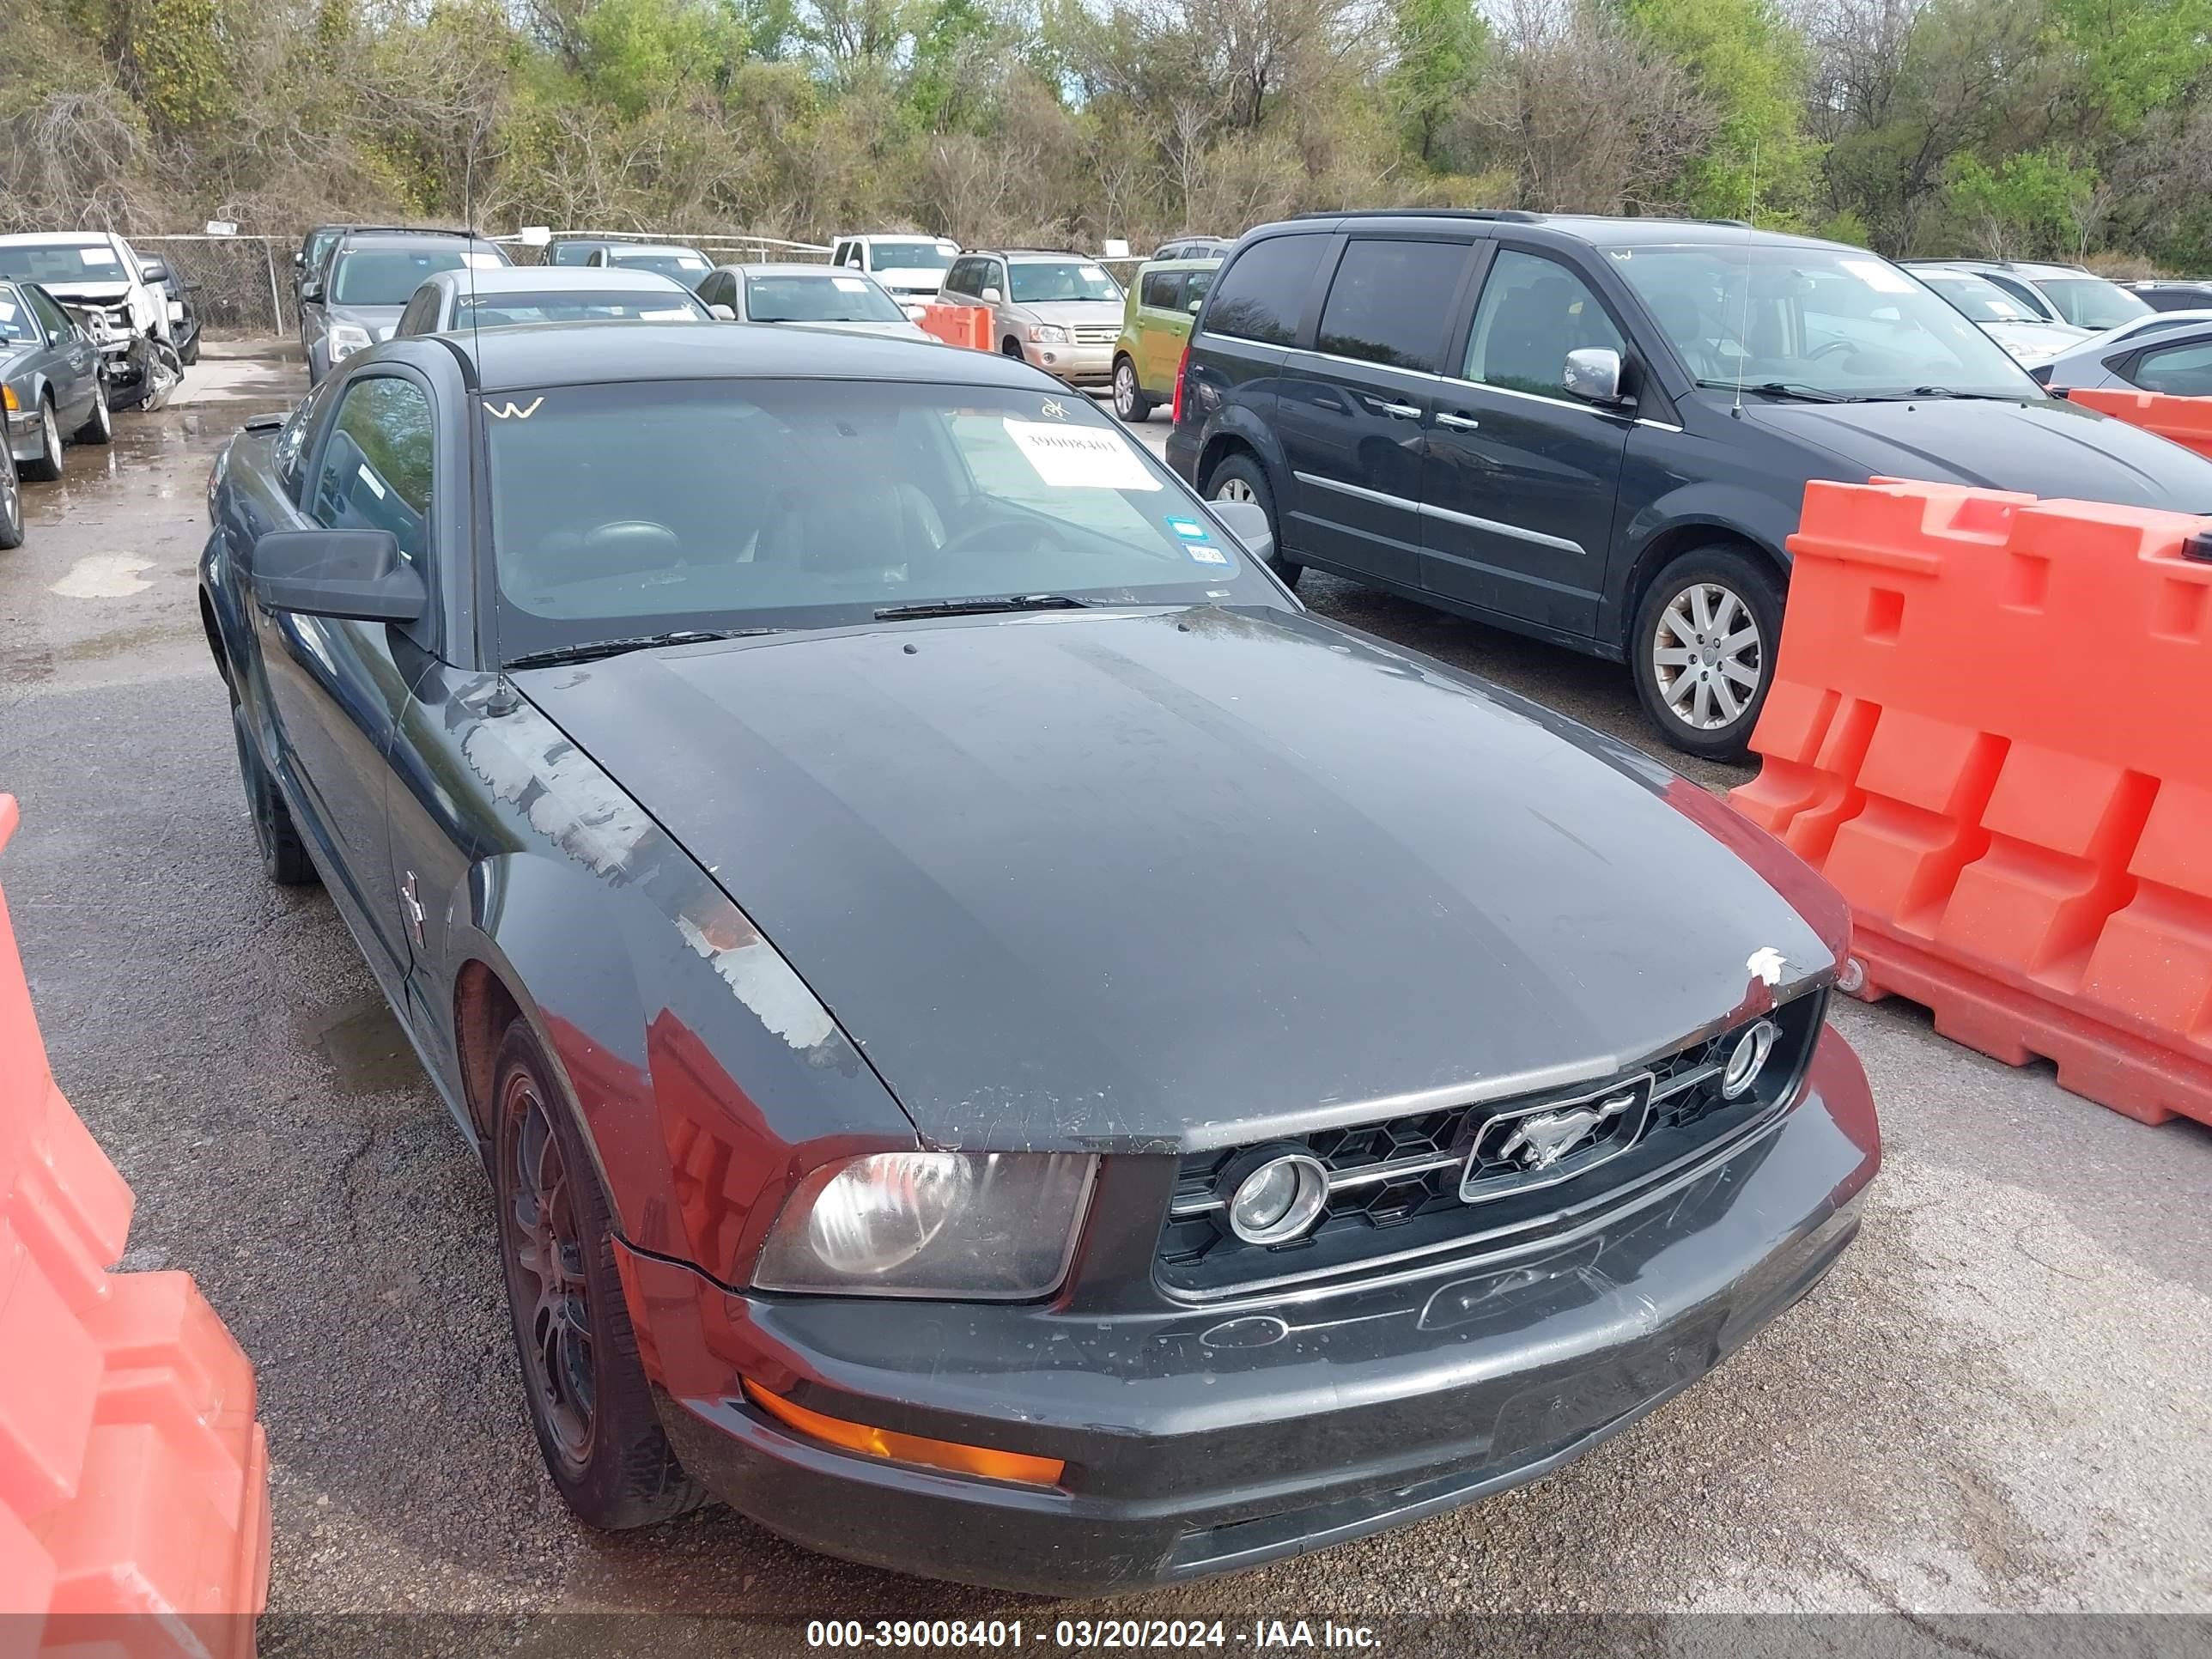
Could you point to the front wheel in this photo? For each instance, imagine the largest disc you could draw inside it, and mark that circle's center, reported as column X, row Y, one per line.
column 1239, row 478
column 1702, row 649
column 589, row 1399
column 1129, row 400
column 46, row 466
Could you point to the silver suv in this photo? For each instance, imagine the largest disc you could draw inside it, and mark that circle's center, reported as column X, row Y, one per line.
column 1060, row 311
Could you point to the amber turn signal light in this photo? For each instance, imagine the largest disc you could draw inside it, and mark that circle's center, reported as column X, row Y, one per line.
column 889, row 1443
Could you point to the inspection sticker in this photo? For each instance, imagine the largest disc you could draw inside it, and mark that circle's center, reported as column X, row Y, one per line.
column 1079, row 458
column 1189, row 529
column 848, row 285
column 1206, row 553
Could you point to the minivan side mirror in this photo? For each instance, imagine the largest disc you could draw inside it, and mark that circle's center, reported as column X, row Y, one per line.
column 356, row 574
column 989, row 296
column 1594, row 374
column 1248, row 522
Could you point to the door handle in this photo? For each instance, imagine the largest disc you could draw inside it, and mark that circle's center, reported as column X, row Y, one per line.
column 1403, row 412
column 1457, row 422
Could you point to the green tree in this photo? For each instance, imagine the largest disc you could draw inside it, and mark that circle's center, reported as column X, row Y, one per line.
column 1748, row 62
column 1437, row 48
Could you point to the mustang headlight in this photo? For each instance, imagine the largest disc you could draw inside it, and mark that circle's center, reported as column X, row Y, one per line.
column 345, row 340
column 986, row 1226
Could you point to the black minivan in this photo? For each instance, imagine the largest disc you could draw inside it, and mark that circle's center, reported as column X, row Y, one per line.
column 1599, row 431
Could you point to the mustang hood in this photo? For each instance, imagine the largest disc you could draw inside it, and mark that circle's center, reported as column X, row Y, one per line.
column 2044, row 446
column 1147, row 880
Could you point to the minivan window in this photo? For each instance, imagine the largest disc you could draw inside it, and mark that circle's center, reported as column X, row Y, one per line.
column 1534, row 312
column 1262, row 296
column 1808, row 320
column 1391, row 300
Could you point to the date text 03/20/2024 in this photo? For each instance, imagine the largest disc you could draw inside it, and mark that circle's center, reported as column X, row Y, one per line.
column 1087, row 1633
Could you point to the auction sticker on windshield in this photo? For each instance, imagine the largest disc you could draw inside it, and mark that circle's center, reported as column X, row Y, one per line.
column 1079, row 458
column 1877, row 275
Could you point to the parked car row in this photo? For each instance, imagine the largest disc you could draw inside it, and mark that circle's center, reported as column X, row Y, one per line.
column 1003, row 1046
column 87, row 327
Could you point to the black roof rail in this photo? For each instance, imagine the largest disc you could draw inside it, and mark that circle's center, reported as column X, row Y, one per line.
column 1510, row 216
column 413, row 230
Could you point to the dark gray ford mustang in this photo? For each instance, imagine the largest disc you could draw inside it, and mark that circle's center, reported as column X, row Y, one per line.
column 1003, row 1046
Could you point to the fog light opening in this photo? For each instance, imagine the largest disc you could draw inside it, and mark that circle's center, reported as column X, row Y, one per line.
column 1278, row 1200
column 1748, row 1058
column 987, row 1461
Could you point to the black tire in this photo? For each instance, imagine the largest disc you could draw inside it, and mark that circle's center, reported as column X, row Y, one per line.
column 590, row 1403
column 1240, row 477
column 100, row 426
column 46, row 466
column 1130, row 403
column 11, row 502
column 1709, row 590
column 284, row 858
column 190, row 354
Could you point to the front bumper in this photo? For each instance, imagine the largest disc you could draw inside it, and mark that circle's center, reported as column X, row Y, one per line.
column 1078, row 365
column 24, row 441
column 1199, row 1440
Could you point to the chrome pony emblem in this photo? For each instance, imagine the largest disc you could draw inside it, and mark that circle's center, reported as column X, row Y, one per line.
column 1543, row 1140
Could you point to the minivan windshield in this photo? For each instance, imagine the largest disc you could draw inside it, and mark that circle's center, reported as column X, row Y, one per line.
column 633, row 510
column 2091, row 301
column 1822, row 322
column 1048, row 281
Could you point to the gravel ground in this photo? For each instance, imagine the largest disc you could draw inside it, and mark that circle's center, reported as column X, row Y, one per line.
column 2001, row 1403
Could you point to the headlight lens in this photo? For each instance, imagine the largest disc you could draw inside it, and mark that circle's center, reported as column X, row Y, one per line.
column 1048, row 333
column 346, row 339
column 988, row 1226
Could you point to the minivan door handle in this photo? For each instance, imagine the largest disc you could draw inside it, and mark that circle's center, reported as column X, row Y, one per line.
column 1403, row 412
column 1457, row 422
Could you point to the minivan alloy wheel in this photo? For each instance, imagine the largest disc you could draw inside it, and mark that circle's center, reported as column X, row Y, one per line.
column 1234, row 489
column 1707, row 655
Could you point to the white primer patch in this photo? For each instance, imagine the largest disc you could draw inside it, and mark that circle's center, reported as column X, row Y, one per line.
column 766, row 983
column 104, row 576
column 1766, row 965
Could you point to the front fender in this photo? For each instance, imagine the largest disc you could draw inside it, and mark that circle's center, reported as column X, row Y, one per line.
column 1765, row 518
column 704, row 1073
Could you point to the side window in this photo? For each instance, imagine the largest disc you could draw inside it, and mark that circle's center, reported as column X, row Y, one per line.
column 1534, row 312
column 2037, row 306
column 1194, row 288
column 421, row 315
column 1263, row 294
column 1390, row 302
column 2183, row 371
column 995, row 275
column 1161, row 289
column 956, row 280
column 375, row 469
column 56, row 319
column 289, row 454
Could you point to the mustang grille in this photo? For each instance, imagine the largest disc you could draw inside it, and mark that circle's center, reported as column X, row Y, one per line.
column 1430, row 1179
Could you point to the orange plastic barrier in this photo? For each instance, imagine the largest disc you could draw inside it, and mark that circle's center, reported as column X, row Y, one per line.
column 2186, row 421
column 1988, row 729
column 960, row 326
column 134, row 1480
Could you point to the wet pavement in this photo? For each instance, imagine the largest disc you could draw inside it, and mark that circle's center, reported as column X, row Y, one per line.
column 2002, row 1400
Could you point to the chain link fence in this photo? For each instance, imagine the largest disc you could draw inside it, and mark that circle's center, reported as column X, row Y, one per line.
column 242, row 286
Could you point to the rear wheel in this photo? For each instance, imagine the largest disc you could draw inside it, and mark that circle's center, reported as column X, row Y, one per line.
column 1239, row 478
column 100, row 429
column 46, row 465
column 11, row 501
column 589, row 1399
column 1129, row 400
column 1702, row 649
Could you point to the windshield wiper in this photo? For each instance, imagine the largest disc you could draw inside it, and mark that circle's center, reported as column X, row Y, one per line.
column 1798, row 389
column 1946, row 392
column 560, row 654
column 983, row 607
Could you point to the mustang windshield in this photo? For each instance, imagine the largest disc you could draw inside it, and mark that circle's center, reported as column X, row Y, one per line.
column 1837, row 324
column 626, row 511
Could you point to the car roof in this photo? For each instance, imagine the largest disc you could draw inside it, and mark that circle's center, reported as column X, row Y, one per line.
column 383, row 237
column 796, row 268
column 554, row 279
column 591, row 354
column 649, row 247
column 1598, row 230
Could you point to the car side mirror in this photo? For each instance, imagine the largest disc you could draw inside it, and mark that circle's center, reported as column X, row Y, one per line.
column 356, row 574
column 1248, row 522
column 723, row 314
column 989, row 296
column 1193, row 307
column 1594, row 374
column 312, row 290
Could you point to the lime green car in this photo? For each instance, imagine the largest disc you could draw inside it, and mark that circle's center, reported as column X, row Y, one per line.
column 1155, row 327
